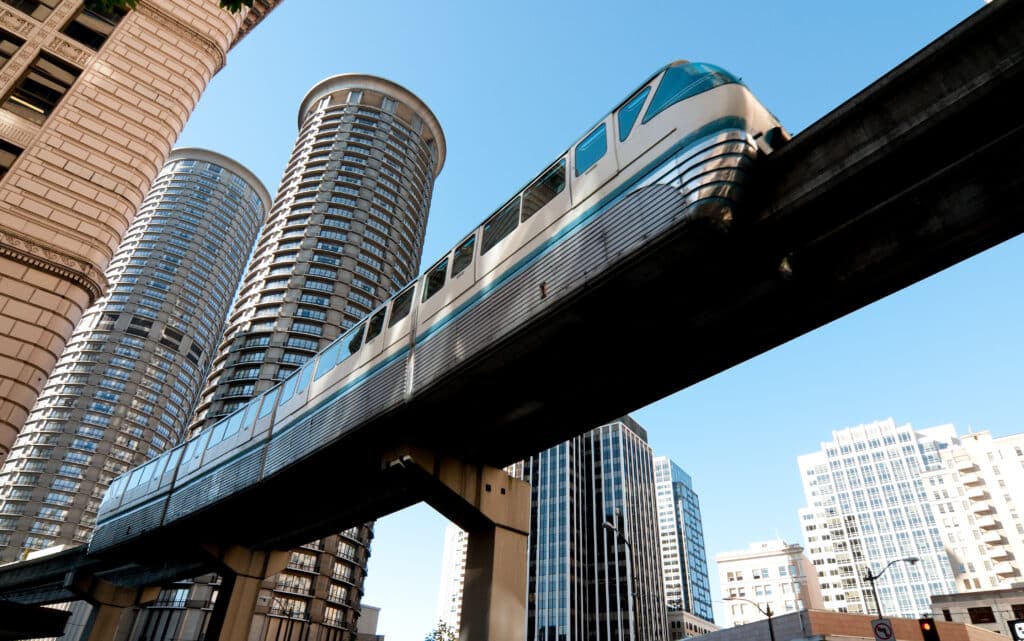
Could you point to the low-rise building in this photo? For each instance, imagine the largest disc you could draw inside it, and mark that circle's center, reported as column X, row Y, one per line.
column 989, row 609
column 825, row 625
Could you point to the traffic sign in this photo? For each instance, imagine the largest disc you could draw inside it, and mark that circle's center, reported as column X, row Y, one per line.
column 883, row 629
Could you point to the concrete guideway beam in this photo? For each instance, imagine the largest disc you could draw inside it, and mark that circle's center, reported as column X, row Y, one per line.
column 110, row 601
column 494, row 509
column 244, row 571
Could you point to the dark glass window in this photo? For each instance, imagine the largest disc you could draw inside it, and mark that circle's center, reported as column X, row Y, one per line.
column 8, row 154
column 400, row 308
column 550, row 184
column 92, row 28
column 38, row 9
column 982, row 614
column 8, row 45
column 500, row 225
column 41, row 88
column 356, row 341
column 435, row 279
column 463, row 256
column 629, row 112
column 591, row 149
column 375, row 325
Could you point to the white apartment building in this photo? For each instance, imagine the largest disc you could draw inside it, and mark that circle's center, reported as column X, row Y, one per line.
column 868, row 503
column 978, row 493
column 453, row 576
column 769, row 574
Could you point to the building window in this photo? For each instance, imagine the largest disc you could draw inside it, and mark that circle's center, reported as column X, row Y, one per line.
column 8, row 154
column 981, row 615
column 8, row 46
column 38, row 9
column 92, row 28
column 41, row 88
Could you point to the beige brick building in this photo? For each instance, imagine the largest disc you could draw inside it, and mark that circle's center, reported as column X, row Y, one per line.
column 90, row 107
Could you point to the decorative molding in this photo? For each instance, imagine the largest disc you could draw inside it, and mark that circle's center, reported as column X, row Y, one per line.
column 32, row 253
column 68, row 50
column 165, row 19
column 17, row 23
column 14, row 128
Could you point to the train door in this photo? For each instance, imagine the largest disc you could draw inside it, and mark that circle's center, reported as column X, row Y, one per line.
column 593, row 162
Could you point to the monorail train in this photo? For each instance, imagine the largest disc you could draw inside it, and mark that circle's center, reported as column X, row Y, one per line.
column 685, row 137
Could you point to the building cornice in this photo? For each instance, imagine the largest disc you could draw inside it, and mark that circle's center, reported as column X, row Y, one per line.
column 150, row 10
column 65, row 266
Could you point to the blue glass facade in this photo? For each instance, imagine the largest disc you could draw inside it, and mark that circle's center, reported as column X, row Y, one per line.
column 684, row 563
column 586, row 580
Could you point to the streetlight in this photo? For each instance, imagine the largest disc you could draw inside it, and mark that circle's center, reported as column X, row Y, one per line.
column 620, row 536
column 768, row 613
column 874, row 592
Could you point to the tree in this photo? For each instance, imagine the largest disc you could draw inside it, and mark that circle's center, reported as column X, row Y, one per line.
column 110, row 6
column 443, row 632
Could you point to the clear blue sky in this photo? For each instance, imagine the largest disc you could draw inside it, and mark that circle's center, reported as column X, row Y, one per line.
column 515, row 83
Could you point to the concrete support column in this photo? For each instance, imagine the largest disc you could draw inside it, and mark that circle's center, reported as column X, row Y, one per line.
column 494, row 594
column 245, row 570
column 110, row 601
column 494, row 508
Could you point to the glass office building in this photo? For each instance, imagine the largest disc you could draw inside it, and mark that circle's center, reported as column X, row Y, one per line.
column 683, row 559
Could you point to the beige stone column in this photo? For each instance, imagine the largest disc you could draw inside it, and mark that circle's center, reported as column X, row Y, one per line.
column 240, row 585
column 110, row 602
column 494, row 508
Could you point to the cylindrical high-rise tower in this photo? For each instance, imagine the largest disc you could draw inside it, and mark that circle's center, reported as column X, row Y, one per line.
column 124, row 389
column 345, row 232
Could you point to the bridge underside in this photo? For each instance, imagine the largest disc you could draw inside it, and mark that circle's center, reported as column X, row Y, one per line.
column 917, row 172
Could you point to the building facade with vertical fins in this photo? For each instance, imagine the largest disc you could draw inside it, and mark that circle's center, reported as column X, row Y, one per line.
column 867, row 505
column 681, row 535
column 124, row 389
column 90, row 106
column 345, row 232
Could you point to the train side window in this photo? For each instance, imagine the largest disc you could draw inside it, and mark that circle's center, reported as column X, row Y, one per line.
column 550, row 184
column 630, row 111
column 172, row 460
column 500, row 225
column 401, row 307
column 304, row 376
column 269, row 400
column 375, row 325
column 219, row 432
column 135, row 479
column 591, row 149
column 234, row 424
column 288, row 389
column 356, row 341
column 435, row 279
column 147, row 473
column 328, row 360
column 250, row 414
column 463, row 256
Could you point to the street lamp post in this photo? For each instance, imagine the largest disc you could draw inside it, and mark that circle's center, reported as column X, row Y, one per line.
column 767, row 612
column 620, row 536
column 871, row 578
